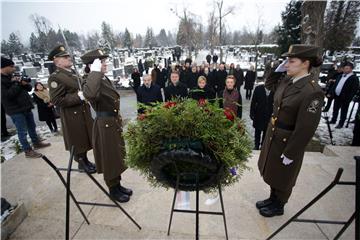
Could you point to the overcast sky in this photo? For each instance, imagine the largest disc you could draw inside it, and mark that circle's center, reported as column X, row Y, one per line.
column 136, row 15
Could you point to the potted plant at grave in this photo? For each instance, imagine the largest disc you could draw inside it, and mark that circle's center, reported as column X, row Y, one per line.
column 188, row 137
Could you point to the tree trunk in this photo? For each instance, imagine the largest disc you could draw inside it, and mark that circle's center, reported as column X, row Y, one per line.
column 312, row 14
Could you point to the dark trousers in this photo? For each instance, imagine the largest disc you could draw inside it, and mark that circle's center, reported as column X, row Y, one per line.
column 258, row 136
column 52, row 125
column 281, row 195
column 4, row 131
column 113, row 182
column 356, row 136
column 248, row 94
column 340, row 105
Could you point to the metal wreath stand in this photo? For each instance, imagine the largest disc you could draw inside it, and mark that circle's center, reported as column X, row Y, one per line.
column 69, row 194
column 345, row 224
column 189, row 180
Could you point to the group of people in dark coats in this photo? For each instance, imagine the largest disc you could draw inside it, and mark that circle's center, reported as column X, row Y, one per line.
column 150, row 93
column 214, row 58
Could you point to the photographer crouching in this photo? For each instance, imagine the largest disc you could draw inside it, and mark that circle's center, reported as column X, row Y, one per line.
column 18, row 105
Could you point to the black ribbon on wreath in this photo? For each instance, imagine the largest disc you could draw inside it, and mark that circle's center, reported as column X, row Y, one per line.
column 183, row 157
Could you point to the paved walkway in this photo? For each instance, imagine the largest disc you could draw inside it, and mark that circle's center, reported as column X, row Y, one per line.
column 33, row 182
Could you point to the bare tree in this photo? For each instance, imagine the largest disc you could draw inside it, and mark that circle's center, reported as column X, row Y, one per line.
column 186, row 35
column 258, row 37
column 41, row 23
column 222, row 14
column 212, row 36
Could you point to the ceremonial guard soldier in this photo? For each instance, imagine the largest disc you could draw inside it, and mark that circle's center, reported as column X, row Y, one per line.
column 108, row 141
column 298, row 100
column 76, row 121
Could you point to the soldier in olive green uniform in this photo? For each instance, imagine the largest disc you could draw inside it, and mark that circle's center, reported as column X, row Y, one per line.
column 76, row 120
column 296, row 114
column 108, row 142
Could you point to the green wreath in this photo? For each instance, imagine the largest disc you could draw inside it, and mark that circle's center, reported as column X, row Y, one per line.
column 188, row 136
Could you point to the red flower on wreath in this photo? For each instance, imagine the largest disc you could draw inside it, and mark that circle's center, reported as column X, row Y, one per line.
column 202, row 102
column 229, row 114
column 170, row 104
column 141, row 116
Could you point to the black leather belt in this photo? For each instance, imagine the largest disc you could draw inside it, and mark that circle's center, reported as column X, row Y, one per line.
column 281, row 125
column 284, row 126
column 106, row 114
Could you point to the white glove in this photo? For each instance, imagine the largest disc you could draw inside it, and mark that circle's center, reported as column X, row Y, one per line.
column 286, row 161
column 81, row 95
column 281, row 67
column 96, row 65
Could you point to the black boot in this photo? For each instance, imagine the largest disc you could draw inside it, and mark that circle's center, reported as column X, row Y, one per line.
column 84, row 167
column 125, row 190
column 89, row 164
column 276, row 208
column 264, row 203
column 117, row 195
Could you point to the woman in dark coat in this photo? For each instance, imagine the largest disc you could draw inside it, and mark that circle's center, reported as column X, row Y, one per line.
column 260, row 112
column 298, row 100
column 249, row 81
column 230, row 97
column 135, row 76
column 45, row 107
column 202, row 91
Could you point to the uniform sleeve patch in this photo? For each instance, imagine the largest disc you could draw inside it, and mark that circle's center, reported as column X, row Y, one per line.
column 53, row 84
column 314, row 106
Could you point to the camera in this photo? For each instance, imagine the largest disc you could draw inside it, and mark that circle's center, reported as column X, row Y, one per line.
column 26, row 79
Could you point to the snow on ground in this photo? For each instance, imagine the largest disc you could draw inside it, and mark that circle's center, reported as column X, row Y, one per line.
column 342, row 136
column 9, row 147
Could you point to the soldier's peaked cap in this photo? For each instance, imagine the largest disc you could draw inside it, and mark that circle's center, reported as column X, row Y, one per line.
column 89, row 57
column 59, row 51
column 302, row 51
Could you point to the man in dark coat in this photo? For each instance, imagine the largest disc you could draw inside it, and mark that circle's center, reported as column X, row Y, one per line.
column 215, row 58
column 18, row 105
column 135, row 76
column 76, row 121
column 148, row 93
column 239, row 75
column 221, row 75
column 108, row 141
column 260, row 112
column 344, row 90
column 161, row 76
column 141, row 67
column 194, row 75
column 333, row 74
column 249, row 81
column 208, row 58
column 176, row 89
column 185, row 75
